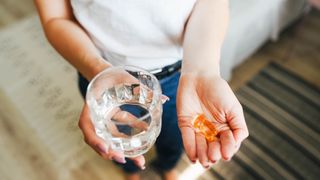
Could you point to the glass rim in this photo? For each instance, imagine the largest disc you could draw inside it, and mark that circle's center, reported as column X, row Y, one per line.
column 157, row 89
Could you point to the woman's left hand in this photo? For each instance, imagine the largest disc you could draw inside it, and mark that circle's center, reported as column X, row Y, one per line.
column 212, row 96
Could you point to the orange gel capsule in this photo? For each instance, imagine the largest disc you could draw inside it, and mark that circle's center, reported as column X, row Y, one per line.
column 204, row 126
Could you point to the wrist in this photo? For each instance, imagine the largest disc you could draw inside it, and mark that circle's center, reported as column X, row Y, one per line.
column 206, row 70
column 98, row 64
column 204, row 65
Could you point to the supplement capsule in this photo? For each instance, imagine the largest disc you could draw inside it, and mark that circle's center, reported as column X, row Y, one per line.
column 205, row 127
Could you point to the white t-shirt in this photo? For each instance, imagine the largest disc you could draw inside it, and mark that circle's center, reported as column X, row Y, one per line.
column 144, row 33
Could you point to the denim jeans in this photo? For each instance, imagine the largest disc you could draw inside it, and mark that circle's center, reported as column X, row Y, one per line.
column 169, row 143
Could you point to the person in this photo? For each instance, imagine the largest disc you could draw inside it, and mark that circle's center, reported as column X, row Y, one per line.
column 93, row 35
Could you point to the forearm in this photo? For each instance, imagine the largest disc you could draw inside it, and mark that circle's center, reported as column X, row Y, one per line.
column 68, row 37
column 72, row 42
column 204, row 36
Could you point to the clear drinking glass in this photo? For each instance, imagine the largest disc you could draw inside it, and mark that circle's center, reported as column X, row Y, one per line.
column 125, row 107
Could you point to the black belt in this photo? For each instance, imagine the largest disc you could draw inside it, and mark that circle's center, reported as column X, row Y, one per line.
column 167, row 70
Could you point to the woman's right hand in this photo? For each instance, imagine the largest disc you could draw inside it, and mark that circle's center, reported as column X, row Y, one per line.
column 102, row 147
column 99, row 145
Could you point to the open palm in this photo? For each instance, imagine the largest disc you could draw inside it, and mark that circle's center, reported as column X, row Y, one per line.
column 212, row 96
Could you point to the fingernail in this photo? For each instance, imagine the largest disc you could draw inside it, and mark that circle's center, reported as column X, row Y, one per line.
column 119, row 159
column 101, row 148
column 164, row 98
column 206, row 166
column 213, row 162
column 143, row 167
column 193, row 161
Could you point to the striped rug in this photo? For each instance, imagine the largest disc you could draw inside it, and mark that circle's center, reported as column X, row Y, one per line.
column 283, row 116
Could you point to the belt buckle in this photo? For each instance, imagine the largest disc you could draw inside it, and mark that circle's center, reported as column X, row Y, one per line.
column 155, row 71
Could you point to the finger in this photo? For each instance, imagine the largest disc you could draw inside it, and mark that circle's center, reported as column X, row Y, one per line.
column 123, row 116
column 94, row 141
column 130, row 119
column 237, row 148
column 189, row 143
column 164, row 98
column 202, row 148
column 227, row 144
column 238, row 125
column 141, row 125
column 136, row 91
column 139, row 161
column 116, row 156
column 111, row 126
column 214, row 153
column 119, row 116
column 113, row 129
column 240, row 135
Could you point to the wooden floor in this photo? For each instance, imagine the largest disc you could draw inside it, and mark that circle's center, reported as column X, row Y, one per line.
column 298, row 50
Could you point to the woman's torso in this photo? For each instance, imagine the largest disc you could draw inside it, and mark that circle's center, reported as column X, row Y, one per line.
column 145, row 33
